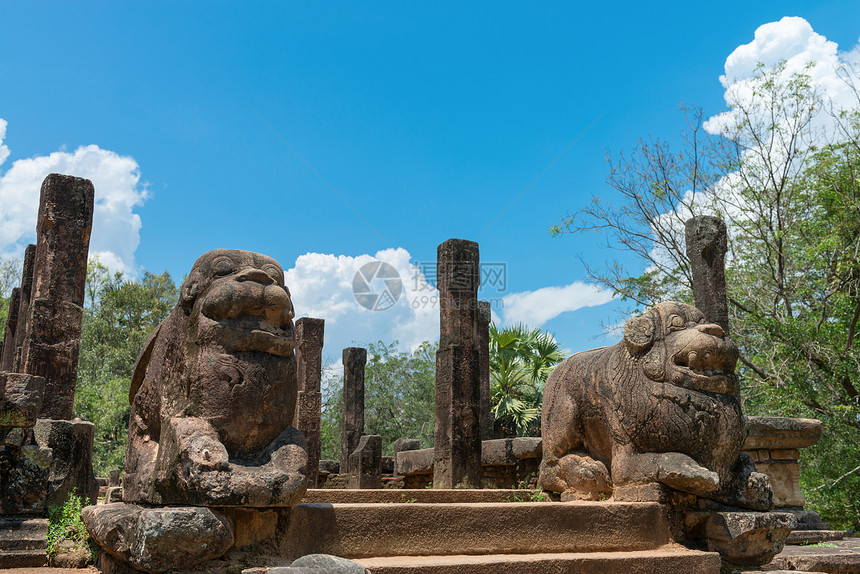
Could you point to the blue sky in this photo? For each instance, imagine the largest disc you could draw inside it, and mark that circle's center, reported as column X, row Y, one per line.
column 330, row 135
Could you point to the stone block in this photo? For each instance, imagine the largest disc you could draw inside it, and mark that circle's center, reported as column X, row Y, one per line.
column 72, row 466
column 785, row 482
column 403, row 444
column 158, row 539
column 24, row 477
column 408, row 463
column 365, row 463
column 785, row 454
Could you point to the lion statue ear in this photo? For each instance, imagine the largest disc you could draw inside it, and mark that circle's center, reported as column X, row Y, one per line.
column 188, row 294
column 639, row 332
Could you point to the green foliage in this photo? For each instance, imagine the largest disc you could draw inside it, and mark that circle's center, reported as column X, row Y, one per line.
column 65, row 524
column 10, row 277
column 399, row 398
column 790, row 195
column 520, row 362
column 118, row 317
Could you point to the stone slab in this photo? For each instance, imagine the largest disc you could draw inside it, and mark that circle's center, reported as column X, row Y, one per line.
column 423, row 495
column 842, row 558
column 781, row 433
column 368, row 530
column 663, row 561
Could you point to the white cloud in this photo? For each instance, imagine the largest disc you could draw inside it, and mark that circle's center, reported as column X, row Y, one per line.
column 792, row 41
column 321, row 286
column 534, row 308
column 116, row 178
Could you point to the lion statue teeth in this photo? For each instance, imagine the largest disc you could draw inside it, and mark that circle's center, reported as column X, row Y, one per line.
column 214, row 391
column 662, row 406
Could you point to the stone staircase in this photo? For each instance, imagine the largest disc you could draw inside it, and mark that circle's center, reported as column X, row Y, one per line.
column 23, row 542
column 496, row 537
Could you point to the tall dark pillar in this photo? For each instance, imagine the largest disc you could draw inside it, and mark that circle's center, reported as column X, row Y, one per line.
column 53, row 338
column 706, row 248
column 309, row 344
column 457, row 444
column 352, row 429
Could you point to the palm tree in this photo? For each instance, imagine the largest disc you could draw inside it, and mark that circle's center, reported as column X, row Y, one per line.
column 520, row 361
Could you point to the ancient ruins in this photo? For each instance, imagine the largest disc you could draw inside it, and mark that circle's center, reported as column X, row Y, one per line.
column 646, row 461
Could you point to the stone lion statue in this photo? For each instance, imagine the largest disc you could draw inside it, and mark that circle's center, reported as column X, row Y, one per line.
column 661, row 406
column 214, row 390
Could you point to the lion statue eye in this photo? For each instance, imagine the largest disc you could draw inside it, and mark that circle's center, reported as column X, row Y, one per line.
column 275, row 273
column 222, row 266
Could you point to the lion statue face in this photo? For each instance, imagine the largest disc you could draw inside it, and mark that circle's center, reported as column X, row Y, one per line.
column 682, row 348
column 240, row 302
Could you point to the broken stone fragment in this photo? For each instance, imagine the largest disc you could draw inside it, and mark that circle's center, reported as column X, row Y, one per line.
column 314, row 564
column 157, row 539
column 742, row 538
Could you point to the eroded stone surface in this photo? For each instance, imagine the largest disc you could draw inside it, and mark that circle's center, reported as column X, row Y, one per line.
column 52, row 343
column 742, row 538
column 214, row 391
column 782, row 433
column 158, row 539
column 21, row 397
column 309, row 344
column 365, row 463
column 352, row 424
column 457, row 431
column 72, row 467
column 24, row 470
column 660, row 406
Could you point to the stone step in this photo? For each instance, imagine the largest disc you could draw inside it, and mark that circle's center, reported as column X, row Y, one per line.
column 375, row 530
column 15, row 527
column 814, row 536
column 429, row 495
column 667, row 560
column 19, row 534
column 22, row 559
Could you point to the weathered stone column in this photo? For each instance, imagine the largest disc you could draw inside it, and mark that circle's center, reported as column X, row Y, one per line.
column 24, row 306
column 352, row 429
column 365, row 463
column 457, row 444
column 309, row 344
column 485, row 317
column 53, row 338
column 7, row 357
column 706, row 248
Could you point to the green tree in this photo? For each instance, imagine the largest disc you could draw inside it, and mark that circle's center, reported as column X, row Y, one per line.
column 119, row 315
column 521, row 359
column 782, row 170
column 399, row 398
column 10, row 277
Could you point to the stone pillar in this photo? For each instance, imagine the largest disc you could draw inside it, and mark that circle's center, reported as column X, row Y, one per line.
column 7, row 356
column 53, row 338
column 365, row 463
column 485, row 317
column 24, row 306
column 352, row 428
column 309, row 344
column 706, row 248
column 457, row 442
